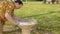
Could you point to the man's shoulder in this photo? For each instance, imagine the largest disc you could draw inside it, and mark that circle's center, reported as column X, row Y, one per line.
column 9, row 4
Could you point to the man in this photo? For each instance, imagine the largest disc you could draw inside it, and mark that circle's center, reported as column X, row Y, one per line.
column 7, row 12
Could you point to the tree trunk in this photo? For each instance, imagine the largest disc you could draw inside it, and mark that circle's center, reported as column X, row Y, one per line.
column 44, row 1
column 57, row 1
column 53, row 1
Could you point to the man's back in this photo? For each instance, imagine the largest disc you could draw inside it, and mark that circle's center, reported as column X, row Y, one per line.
column 6, row 6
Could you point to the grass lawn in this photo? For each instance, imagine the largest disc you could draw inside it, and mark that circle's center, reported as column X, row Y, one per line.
column 48, row 16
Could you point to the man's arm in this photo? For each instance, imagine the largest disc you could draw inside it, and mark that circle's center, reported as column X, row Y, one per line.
column 10, row 18
column 9, row 13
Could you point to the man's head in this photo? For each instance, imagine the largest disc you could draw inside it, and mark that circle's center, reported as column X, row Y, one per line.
column 18, row 4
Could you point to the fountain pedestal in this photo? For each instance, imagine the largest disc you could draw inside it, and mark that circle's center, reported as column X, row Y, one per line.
column 26, row 25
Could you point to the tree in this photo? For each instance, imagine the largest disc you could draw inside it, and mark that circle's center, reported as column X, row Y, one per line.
column 53, row 1
column 44, row 1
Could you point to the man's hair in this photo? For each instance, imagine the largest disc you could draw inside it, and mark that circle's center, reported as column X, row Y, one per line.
column 19, row 1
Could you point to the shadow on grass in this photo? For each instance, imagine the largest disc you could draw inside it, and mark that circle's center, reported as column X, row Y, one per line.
column 13, row 31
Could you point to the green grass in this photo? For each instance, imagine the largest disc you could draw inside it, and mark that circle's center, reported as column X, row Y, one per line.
column 48, row 16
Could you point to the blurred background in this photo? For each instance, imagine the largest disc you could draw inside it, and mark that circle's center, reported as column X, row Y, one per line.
column 46, row 12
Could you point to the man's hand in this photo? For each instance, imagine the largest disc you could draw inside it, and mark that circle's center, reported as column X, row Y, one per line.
column 17, row 18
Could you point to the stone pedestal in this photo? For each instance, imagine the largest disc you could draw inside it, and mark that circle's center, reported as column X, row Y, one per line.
column 26, row 25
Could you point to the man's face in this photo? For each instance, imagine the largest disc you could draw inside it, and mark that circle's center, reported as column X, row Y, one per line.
column 17, row 5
